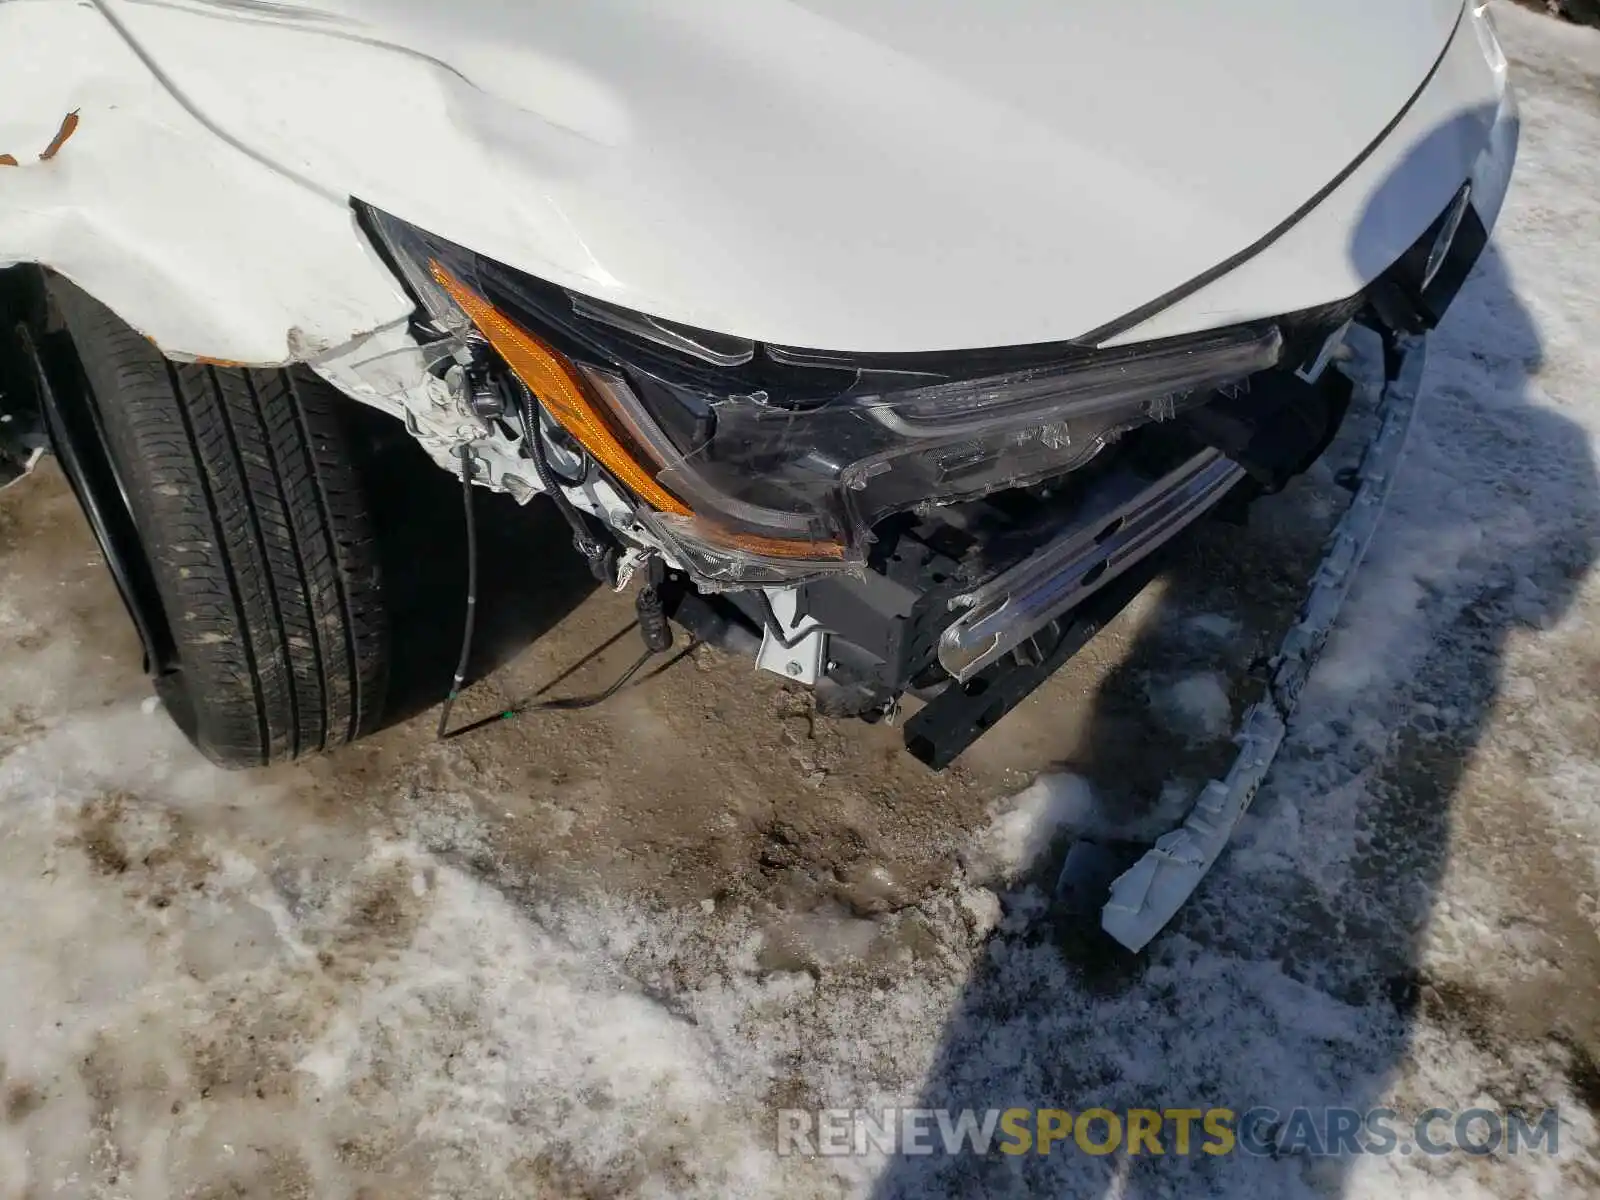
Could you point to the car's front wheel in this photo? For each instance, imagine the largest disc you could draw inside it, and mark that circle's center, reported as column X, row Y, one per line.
column 245, row 519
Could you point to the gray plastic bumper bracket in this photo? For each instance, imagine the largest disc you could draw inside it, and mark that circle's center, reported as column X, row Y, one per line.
column 1147, row 896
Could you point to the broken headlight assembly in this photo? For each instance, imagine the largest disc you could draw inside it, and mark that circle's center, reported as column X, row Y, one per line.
column 757, row 464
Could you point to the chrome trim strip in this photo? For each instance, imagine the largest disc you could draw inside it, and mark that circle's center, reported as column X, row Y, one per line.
column 1007, row 610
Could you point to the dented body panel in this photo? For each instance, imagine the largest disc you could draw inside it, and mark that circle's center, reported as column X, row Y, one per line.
column 203, row 246
column 859, row 176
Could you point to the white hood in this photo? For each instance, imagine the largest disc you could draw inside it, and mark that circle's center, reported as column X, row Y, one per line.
column 851, row 174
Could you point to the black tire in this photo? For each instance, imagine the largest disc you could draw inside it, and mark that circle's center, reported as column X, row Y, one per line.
column 254, row 528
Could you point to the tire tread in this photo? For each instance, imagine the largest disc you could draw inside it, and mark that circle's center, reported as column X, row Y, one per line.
column 259, row 536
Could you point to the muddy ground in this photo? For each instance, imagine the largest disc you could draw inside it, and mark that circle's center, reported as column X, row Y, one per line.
column 708, row 780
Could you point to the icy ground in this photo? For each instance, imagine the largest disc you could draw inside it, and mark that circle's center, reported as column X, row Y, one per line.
column 362, row 979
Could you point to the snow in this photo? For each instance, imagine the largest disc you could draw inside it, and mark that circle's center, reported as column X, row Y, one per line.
column 493, row 1035
column 1196, row 705
column 212, row 983
column 1022, row 830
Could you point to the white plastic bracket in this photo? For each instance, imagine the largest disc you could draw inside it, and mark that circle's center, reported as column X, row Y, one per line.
column 801, row 662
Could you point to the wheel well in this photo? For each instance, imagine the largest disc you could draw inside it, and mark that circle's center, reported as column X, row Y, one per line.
column 25, row 302
column 22, row 302
column 43, row 388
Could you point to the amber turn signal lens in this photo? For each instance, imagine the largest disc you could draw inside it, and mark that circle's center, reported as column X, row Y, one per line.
column 771, row 547
column 569, row 399
column 561, row 390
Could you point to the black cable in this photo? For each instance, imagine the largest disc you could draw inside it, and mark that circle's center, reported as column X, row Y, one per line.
column 774, row 627
column 561, row 704
column 651, row 621
column 578, row 703
column 568, row 703
column 471, row 622
column 589, row 657
column 527, row 412
column 593, row 551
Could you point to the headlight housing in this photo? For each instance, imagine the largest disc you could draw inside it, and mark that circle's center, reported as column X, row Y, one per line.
column 762, row 464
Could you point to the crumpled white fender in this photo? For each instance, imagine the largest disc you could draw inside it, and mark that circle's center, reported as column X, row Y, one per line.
column 210, row 251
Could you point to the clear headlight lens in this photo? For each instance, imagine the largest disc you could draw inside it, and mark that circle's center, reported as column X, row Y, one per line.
column 763, row 464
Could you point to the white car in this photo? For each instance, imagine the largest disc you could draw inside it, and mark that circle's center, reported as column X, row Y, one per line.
column 888, row 337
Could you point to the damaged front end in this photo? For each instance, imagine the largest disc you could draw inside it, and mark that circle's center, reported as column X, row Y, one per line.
column 751, row 465
column 933, row 524
column 947, row 526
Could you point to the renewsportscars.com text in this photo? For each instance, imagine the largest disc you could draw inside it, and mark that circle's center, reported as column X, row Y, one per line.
column 1261, row 1131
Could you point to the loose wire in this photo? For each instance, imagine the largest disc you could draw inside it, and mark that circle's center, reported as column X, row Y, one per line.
column 652, row 622
column 469, row 626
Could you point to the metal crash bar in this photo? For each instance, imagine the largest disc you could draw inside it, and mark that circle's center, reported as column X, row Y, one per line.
column 1006, row 611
